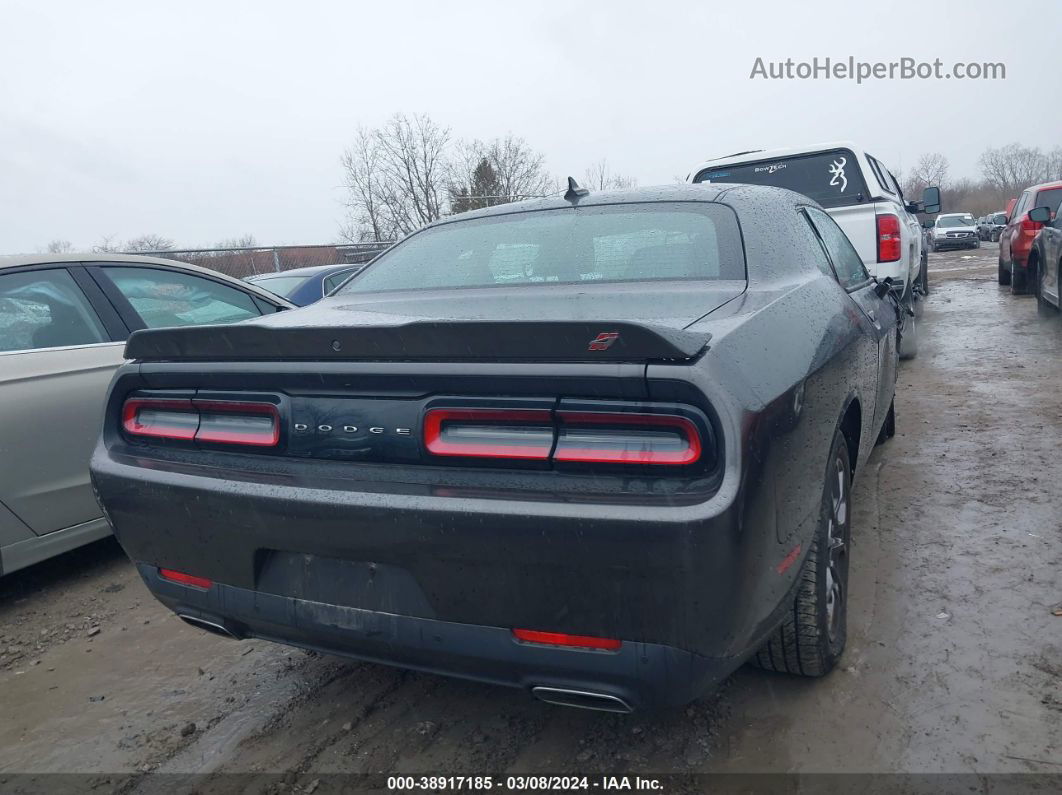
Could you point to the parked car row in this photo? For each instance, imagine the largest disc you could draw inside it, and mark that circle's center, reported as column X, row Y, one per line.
column 990, row 226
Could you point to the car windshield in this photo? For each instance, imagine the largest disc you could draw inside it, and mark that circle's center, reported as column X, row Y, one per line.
column 832, row 179
column 953, row 220
column 626, row 242
column 284, row 286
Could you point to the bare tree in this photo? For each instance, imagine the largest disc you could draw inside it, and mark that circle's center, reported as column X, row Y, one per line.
column 930, row 170
column 1014, row 167
column 600, row 177
column 244, row 241
column 501, row 171
column 108, row 244
column 149, row 242
column 361, row 168
column 59, row 246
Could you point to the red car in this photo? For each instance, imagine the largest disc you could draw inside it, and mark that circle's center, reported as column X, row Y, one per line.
column 1016, row 239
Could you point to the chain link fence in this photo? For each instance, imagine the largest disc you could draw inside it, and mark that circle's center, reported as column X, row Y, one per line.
column 242, row 262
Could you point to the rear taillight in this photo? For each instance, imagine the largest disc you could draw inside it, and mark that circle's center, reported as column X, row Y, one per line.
column 161, row 419
column 889, row 240
column 1030, row 227
column 225, row 422
column 622, row 438
column 566, row 640
column 185, row 579
column 525, row 434
column 209, row 421
column 564, row 436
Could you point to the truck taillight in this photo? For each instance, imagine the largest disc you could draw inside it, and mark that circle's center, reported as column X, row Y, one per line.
column 209, row 421
column 889, row 240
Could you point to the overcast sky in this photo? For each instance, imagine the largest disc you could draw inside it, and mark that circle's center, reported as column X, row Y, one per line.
column 207, row 120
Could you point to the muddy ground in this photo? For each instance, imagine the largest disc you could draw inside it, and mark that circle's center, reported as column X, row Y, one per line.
column 954, row 661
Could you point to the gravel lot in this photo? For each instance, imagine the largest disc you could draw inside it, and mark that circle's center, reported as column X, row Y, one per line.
column 954, row 661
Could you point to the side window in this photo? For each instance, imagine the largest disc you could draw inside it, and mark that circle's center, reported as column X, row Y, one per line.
column 1022, row 201
column 879, row 174
column 45, row 309
column 846, row 260
column 813, row 245
column 336, row 279
column 170, row 298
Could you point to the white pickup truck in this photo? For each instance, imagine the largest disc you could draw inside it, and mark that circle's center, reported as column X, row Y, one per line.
column 861, row 195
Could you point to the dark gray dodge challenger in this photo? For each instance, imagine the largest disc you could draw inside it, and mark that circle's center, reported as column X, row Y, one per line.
column 599, row 447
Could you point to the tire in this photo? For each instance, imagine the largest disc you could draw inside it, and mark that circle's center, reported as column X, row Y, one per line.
column 932, row 245
column 1017, row 280
column 908, row 341
column 811, row 638
column 1004, row 272
column 977, row 244
column 923, row 276
column 888, row 429
column 994, row 237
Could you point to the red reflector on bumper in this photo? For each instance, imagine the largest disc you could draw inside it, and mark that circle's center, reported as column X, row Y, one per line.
column 563, row 639
column 185, row 579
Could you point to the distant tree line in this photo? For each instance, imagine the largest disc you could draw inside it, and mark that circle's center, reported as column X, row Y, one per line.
column 1005, row 172
column 411, row 171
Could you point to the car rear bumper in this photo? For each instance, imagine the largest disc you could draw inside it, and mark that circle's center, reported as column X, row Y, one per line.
column 438, row 582
column 964, row 242
column 635, row 676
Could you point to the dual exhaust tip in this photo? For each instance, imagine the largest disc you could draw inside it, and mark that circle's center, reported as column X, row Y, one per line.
column 564, row 697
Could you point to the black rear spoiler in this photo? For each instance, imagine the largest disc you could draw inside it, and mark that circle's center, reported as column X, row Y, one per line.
column 593, row 341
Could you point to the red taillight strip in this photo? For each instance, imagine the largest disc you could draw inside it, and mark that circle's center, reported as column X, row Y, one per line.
column 564, row 639
column 890, row 243
column 591, row 455
column 185, row 579
column 436, row 445
column 194, row 410
column 256, row 438
column 131, row 418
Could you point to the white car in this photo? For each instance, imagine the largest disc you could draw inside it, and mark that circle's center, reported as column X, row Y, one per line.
column 861, row 195
column 953, row 230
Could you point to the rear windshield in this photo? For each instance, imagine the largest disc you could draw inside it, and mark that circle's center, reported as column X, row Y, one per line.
column 833, row 179
column 1048, row 198
column 627, row 242
column 284, row 286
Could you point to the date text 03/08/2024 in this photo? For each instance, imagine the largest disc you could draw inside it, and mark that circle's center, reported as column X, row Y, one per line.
column 519, row 783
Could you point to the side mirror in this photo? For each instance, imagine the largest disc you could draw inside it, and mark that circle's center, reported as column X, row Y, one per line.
column 931, row 200
column 882, row 288
column 1041, row 215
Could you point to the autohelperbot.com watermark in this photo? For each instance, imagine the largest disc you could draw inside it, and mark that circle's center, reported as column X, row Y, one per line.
column 863, row 71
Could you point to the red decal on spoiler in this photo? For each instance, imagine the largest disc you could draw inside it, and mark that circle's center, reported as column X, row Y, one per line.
column 603, row 341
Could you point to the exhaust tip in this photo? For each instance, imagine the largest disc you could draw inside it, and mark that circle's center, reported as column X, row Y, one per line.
column 209, row 626
column 581, row 699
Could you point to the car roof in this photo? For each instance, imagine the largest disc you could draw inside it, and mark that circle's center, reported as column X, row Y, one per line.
column 9, row 261
column 309, row 270
column 776, row 154
column 1046, row 185
column 736, row 194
